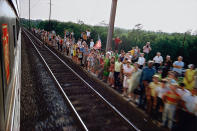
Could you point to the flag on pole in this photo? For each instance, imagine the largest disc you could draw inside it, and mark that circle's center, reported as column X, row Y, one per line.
column 98, row 44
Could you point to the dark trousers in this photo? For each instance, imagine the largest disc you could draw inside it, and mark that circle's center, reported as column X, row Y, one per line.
column 116, row 79
column 58, row 46
column 142, row 101
column 61, row 47
column 67, row 50
column 157, row 65
column 141, row 66
column 159, row 104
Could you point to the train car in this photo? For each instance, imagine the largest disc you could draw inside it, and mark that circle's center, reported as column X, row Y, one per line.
column 10, row 65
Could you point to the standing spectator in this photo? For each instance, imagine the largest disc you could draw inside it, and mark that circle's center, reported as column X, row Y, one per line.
column 141, row 60
column 167, row 66
column 61, row 44
column 72, row 35
column 189, row 80
column 101, row 70
column 127, row 71
column 178, row 65
column 117, row 42
column 106, row 66
column 122, row 55
column 147, row 49
column 171, row 100
column 146, row 78
column 158, row 59
column 58, row 42
column 67, row 46
column 132, row 51
column 88, row 34
column 111, row 72
column 91, row 44
column 67, row 33
column 118, row 64
column 97, row 65
column 80, row 56
column 116, row 55
column 84, row 37
column 86, row 52
column 79, row 43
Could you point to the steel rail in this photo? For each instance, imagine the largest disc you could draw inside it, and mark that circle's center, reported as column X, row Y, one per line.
column 79, row 118
column 109, row 104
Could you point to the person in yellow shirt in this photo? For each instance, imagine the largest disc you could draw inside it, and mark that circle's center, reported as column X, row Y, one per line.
column 189, row 79
column 133, row 51
column 151, row 94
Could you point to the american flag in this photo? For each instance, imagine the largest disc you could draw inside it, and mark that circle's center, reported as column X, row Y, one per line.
column 98, row 44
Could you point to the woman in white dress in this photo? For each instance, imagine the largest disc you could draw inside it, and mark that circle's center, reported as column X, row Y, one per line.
column 127, row 71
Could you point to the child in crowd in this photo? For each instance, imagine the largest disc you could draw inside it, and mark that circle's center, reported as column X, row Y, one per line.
column 151, row 94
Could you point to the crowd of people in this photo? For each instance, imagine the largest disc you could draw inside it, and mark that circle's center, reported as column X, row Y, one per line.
column 164, row 89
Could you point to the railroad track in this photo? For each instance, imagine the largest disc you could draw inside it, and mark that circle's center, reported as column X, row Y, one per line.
column 91, row 109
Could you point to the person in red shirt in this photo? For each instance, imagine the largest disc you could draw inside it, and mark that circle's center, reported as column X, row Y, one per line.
column 117, row 42
column 61, row 44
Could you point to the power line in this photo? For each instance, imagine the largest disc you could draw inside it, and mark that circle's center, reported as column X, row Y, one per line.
column 38, row 1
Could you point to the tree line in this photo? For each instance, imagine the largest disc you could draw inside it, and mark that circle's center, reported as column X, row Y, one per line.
column 173, row 44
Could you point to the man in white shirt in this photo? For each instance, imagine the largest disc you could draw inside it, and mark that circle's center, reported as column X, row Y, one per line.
column 158, row 59
column 141, row 60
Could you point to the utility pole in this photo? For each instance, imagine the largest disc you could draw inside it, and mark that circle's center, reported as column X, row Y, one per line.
column 50, row 17
column 29, row 14
column 111, row 24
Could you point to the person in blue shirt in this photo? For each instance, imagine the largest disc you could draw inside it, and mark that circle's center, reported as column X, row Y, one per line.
column 178, row 65
column 146, row 78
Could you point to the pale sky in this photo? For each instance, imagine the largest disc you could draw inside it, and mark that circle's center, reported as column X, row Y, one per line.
column 165, row 15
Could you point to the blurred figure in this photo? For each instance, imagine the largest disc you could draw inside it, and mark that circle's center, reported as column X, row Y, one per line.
column 188, row 116
column 171, row 100
column 160, row 91
column 134, row 81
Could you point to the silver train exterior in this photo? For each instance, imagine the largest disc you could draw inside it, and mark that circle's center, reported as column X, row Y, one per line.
column 10, row 65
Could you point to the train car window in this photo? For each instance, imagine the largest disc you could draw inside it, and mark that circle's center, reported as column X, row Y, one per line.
column 14, row 35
